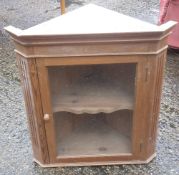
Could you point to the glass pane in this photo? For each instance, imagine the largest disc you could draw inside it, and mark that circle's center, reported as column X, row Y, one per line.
column 93, row 108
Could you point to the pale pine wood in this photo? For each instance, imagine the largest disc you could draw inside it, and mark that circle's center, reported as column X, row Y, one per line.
column 80, row 21
column 79, row 39
column 45, row 96
column 30, row 85
column 161, row 59
column 97, row 163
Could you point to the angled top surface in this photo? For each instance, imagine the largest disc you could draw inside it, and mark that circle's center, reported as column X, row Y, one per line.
column 90, row 19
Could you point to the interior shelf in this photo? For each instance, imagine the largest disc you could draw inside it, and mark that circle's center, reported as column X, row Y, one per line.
column 92, row 89
column 92, row 100
column 82, row 136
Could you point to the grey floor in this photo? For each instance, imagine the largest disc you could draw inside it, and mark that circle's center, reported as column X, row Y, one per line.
column 15, row 147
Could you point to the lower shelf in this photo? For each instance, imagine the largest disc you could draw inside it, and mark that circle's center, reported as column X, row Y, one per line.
column 97, row 135
column 96, row 142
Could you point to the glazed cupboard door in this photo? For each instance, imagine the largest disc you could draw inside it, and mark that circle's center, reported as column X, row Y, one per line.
column 92, row 108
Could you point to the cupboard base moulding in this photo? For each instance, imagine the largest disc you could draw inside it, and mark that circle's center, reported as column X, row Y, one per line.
column 95, row 163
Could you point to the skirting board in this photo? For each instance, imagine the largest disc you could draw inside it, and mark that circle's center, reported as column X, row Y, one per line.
column 95, row 163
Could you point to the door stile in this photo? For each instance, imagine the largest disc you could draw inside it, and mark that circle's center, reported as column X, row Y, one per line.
column 47, row 109
column 138, row 121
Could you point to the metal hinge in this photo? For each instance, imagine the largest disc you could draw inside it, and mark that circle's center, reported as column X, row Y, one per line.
column 141, row 146
column 147, row 74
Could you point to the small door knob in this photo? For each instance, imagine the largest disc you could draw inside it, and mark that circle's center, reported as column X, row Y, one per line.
column 46, row 117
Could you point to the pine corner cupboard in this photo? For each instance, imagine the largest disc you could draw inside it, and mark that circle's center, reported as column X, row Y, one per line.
column 92, row 82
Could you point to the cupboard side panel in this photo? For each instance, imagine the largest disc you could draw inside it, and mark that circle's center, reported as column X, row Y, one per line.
column 160, row 62
column 30, row 85
column 152, row 86
column 149, row 73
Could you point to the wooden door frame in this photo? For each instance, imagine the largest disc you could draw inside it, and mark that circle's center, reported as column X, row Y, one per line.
column 42, row 66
